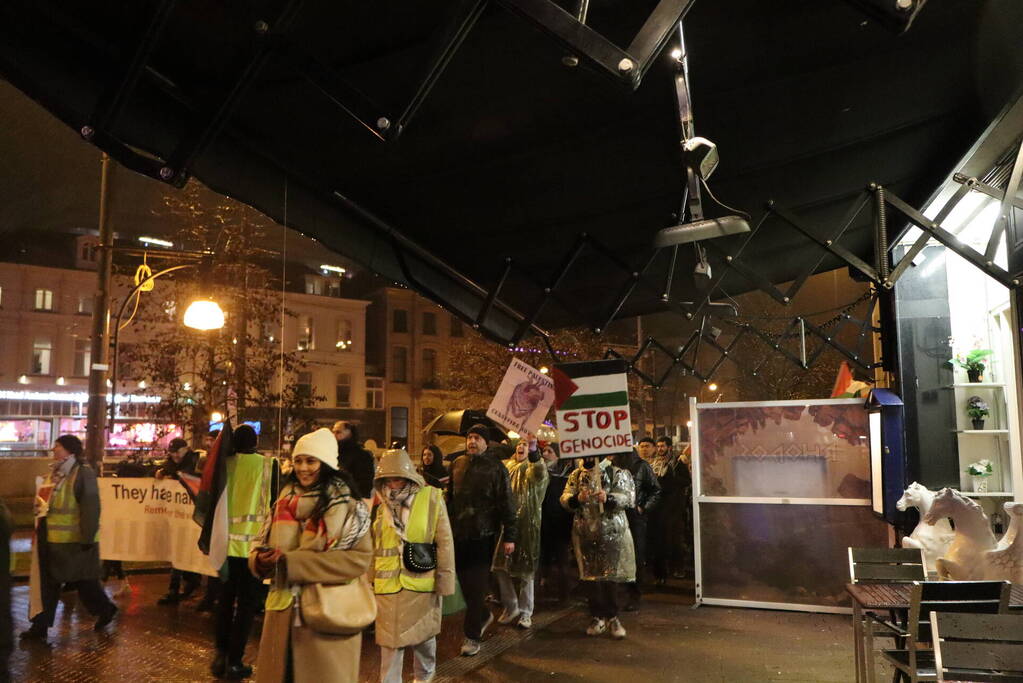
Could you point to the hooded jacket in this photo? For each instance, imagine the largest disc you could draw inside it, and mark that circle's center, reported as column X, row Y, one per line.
column 407, row 617
column 602, row 541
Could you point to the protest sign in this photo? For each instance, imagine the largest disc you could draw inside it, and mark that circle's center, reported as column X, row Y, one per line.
column 523, row 399
column 149, row 520
column 592, row 402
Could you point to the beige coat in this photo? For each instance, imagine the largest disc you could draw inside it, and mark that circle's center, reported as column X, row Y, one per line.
column 408, row 618
column 316, row 657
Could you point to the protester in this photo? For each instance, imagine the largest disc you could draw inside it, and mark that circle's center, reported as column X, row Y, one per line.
column 528, row 478
column 250, row 488
column 354, row 458
column 648, row 494
column 180, row 460
column 432, row 467
column 317, row 534
column 555, row 524
column 599, row 494
column 67, row 540
column 409, row 600
column 480, row 506
column 666, row 526
column 646, row 449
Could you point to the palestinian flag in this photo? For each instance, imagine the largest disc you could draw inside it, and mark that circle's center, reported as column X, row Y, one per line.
column 211, row 499
column 590, row 384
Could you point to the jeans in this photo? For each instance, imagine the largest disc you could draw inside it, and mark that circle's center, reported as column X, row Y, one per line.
column 472, row 564
column 512, row 601
column 236, row 609
column 603, row 599
column 424, row 661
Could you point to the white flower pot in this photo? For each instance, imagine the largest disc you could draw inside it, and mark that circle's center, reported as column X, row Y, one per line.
column 980, row 484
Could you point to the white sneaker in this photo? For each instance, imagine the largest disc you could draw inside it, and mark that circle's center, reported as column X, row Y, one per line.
column 470, row 647
column 616, row 628
column 486, row 624
column 596, row 627
column 526, row 622
column 507, row 618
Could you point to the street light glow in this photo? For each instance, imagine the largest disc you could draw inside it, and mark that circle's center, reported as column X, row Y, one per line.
column 216, row 417
column 544, row 370
column 203, row 314
column 332, row 269
column 157, row 241
column 712, row 386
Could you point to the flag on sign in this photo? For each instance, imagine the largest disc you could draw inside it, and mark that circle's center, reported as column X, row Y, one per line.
column 592, row 401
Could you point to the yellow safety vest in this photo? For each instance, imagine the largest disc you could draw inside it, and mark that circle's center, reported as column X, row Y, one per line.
column 63, row 520
column 248, row 499
column 390, row 574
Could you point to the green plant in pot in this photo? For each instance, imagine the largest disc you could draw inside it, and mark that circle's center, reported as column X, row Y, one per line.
column 977, row 408
column 980, row 471
column 973, row 362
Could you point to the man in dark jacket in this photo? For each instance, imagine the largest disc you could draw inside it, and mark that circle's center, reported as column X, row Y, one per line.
column 480, row 505
column 67, row 539
column 353, row 458
column 180, row 460
column 648, row 494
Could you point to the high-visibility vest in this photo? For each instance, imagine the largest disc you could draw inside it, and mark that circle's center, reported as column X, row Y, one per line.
column 390, row 574
column 63, row 519
column 248, row 499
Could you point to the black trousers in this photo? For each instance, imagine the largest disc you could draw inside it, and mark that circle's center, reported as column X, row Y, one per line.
column 236, row 609
column 472, row 564
column 191, row 581
column 638, row 529
column 90, row 591
column 603, row 599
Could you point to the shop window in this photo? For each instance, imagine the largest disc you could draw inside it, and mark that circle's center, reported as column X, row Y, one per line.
column 85, row 304
column 304, row 384
column 83, row 356
column 430, row 323
column 375, row 393
column 399, row 424
column 399, row 320
column 42, row 353
column 343, row 390
column 306, row 338
column 44, row 300
column 344, row 335
column 456, row 327
column 399, row 364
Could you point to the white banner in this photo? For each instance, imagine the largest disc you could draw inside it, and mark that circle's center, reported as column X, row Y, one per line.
column 523, row 399
column 146, row 520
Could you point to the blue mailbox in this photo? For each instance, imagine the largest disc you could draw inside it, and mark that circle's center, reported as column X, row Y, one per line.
column 887, row 452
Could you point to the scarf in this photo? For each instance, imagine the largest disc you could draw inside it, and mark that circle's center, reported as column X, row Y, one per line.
column 661, row 465
column 399, row 503
column 338, row 527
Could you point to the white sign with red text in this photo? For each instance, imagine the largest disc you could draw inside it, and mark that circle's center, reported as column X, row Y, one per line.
column 592, row 401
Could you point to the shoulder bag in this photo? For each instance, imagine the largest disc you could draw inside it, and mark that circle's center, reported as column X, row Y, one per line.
column 338, row 609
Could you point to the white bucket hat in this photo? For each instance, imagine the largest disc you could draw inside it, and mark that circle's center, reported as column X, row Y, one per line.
column 320, row 444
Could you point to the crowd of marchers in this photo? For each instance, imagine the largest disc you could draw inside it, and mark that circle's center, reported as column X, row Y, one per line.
column 332, row 533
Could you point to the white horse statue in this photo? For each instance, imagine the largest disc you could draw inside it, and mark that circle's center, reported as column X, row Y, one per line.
column 966, row 559
column 932, row 539
column 1006, row 560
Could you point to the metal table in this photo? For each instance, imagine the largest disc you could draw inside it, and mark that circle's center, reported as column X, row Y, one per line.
column 884, row 597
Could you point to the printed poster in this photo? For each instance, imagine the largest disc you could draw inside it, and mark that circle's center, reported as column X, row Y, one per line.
column 592, row 402
column 523, row 399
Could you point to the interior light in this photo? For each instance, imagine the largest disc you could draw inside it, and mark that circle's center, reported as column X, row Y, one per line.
column 204, row 314
column 332, row 269
column 712, row 386
column 689, row 423
column 695, row 231
column 544, row 370
column 676, row 53
column 156, row 241
column 23, row 380
column 61, row 382
column 142, row 384
column 187, row 386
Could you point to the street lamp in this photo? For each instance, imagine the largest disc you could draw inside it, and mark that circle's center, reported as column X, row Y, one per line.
column 204, row 314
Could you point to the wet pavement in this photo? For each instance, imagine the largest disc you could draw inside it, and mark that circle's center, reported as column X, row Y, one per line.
column 667, row 641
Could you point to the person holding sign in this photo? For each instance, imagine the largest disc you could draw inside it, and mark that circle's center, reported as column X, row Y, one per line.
column 528, row 477
column 599, row 494
column 480, row 506
column 67, row 539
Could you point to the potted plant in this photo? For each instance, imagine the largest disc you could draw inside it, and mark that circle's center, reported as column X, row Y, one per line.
column 973, row 362
column 977, row 408
column 980, row 471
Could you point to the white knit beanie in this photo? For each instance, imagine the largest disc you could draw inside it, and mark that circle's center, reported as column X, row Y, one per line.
column 320, row 444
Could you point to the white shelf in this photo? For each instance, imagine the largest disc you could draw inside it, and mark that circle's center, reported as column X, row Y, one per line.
column 990, row 385
column 987, row 494
column 981, row 431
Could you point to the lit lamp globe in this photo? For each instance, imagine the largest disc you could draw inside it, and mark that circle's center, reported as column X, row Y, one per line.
column 203, row 314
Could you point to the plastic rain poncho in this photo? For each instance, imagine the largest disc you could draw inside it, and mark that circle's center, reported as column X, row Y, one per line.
column 602, row 541
column 528, row 481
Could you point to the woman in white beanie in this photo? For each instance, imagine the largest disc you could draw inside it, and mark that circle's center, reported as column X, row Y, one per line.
column 317, row 534
column 413, row 566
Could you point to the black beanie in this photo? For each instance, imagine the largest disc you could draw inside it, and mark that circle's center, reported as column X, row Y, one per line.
column 479, row 430
column 244, row 439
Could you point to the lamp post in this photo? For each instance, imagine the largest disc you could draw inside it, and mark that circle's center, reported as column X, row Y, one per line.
column 202, row 314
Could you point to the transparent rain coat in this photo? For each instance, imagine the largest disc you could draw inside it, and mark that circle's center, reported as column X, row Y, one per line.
column 528, row 481
column 602, row 541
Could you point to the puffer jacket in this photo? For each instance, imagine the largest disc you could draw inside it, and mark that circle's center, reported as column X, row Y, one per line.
column 480, row 501
column 648, row 491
